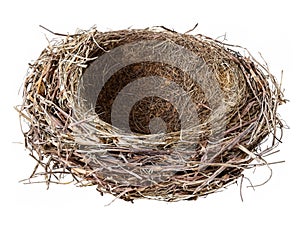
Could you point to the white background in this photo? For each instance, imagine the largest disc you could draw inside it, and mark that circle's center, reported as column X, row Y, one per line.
column 269, row 27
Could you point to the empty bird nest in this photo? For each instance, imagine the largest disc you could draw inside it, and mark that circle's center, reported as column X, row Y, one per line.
column 149, row 113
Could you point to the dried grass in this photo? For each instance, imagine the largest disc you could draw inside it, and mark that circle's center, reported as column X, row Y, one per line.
column 66, row 136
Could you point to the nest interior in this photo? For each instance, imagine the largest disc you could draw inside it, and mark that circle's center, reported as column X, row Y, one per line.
column 168, row 152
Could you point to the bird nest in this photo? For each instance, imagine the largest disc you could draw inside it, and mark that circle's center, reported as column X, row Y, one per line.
column 149, row 113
